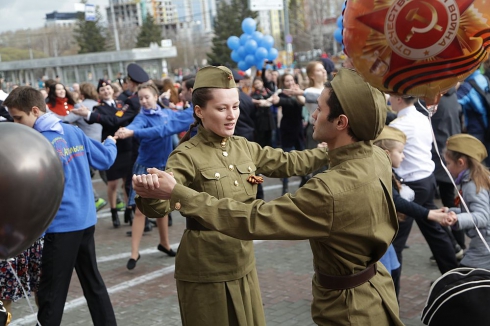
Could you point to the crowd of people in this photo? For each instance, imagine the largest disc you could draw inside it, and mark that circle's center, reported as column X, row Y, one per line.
column 349, row 143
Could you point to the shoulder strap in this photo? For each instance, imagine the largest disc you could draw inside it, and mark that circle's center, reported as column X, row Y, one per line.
column 483, row 94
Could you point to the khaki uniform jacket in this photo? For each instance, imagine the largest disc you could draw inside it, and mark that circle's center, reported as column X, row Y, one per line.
column 219, row 168
column 345, row 214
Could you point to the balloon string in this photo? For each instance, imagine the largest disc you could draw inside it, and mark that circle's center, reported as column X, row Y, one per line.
column 431, row 112
column 25, row 293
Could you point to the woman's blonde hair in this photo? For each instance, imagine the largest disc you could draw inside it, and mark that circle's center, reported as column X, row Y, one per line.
column 478, row 172
column 310, row 70
column 149, row 86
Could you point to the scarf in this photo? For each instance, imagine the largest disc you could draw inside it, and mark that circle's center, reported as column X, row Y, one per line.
column 48, row 121
column 459, row 179
column 157, row 111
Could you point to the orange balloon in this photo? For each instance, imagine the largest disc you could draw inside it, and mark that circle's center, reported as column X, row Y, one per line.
column 419, row 48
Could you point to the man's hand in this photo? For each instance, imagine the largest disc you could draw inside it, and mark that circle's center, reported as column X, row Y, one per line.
column 81, row 111
column 157, row 184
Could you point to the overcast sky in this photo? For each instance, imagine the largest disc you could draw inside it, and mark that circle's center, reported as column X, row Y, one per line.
column 22, row 14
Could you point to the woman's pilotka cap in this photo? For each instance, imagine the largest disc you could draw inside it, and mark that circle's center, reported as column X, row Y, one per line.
column 364, row 105
column 102, row 83
column 214, row 77
column 390, row 133
column 467, row 145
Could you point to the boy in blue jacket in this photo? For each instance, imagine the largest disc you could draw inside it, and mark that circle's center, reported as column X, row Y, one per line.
column 69, row 240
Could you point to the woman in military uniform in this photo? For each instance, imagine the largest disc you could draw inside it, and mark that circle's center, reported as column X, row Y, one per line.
column 216, row 277
column 112, row 115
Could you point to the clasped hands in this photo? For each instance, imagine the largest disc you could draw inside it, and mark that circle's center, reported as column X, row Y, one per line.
column 443, row 216
column 156, row 184
column 123, row 133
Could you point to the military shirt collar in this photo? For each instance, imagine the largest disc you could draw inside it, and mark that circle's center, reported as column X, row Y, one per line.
column 357, row 150
column 210, row 137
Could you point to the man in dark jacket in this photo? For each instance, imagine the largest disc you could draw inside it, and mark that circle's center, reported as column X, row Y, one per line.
column 245, row 125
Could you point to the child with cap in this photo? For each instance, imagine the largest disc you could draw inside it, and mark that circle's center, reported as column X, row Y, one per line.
column 464, row 155
column 393, row 141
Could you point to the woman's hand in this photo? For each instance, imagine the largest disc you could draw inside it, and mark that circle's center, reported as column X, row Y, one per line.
column 123, row 133
column 157, row 184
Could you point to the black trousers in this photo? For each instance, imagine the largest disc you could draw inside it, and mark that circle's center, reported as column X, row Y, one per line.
column 438, row 240
column 61, row 253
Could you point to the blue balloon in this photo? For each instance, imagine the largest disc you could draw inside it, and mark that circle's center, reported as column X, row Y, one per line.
column 267, row 42
column 233, row 42
column 250, row 46
column 242, row 65
column 273, row 54
column 241, row 52
column 257, row 36
column 261, row 54
column 244, row 38
column 235, row 56
column 340, row 22
column 249, row 25
column 338, row 35
column 343, row 5
column 259, row 63
column 250, row 60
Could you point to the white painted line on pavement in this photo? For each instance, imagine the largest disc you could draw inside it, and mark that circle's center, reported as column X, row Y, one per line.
column 29, row 319
column 75, row 303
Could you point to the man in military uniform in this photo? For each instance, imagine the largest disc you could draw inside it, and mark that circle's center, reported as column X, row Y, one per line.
column 347, row 212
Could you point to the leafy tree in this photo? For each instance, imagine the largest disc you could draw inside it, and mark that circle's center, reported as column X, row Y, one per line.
column 150, row 32
column 90, row 35
column 228, row 22
column 13, row 54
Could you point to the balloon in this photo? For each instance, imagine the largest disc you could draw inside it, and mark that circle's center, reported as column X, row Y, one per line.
column 267, row 42
column 233, row 42
column 235, row 56
column 31, row 187
column 241, row 52
column 249, row 25
column 242, row 65
column 244, row 38
column 273, row 54
column 340, row 22
column 249, row 60
column 257, row 36
column 259, row 63
column 261, row 53
column 337, row 34
column 250, row 46
column 418, row 48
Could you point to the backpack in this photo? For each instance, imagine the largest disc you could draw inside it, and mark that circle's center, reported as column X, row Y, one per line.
column 459, row 297
column 486, row 102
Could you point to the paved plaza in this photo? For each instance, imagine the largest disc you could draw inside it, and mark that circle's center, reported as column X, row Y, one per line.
column 147, row 295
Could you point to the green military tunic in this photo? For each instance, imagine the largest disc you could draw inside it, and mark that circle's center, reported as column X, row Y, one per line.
column 216, row 278
column 345, row 214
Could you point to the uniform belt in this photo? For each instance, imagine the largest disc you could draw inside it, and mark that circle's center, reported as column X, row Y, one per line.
column 192, row 224
column 346, row 281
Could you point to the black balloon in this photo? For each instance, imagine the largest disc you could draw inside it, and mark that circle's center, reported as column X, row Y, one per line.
column 31, row 187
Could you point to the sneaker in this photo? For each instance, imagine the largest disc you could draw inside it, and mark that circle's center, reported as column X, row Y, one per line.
column 120, row 206
column 432, row 260
column 99, row 204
